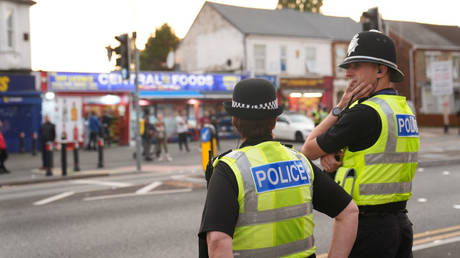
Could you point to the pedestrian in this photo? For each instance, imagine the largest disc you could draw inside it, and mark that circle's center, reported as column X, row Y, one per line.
column 458, row 116
column 147, row 136
column 47, row 135
column 94, row 130
column 215, row 123
column 86, row 130
column 3, row 152
column 160, row 138
column 260, row 197
column 182, row 128
column 106, row 124
column 379, row 135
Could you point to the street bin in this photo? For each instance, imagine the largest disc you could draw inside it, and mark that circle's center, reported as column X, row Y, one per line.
column 208, row 144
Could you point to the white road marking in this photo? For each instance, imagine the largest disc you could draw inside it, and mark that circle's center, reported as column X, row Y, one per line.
column 105, row 183
column 53, row 198
column 436, row 243
column 148, row 188
column 422, row 200
column 456, row 206
column 446, row 173
column 420, row 169
column 189, row 179
column 135, row 194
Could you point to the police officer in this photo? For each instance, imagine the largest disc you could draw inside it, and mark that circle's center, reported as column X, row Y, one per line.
column 379, row 136
column 260, row 196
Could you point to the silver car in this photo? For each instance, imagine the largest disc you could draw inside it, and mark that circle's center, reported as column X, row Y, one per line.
column 293, row 126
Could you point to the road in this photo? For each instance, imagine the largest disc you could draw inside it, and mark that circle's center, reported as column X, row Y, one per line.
column 158, row 215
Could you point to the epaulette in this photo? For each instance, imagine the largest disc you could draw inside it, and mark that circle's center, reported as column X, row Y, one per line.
column 211, row 163
column 290, row 146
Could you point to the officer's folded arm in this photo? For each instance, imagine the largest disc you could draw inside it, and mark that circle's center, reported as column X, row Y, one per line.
column 345, row 229
column 219, row 244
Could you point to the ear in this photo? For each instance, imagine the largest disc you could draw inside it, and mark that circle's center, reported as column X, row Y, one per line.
column 382, row 70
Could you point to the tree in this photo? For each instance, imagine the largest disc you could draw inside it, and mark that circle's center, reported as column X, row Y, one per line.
column 301, row 5
column 153, row 57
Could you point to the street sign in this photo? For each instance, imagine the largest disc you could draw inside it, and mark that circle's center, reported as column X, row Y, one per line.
column 441, row 78
column 205, row 134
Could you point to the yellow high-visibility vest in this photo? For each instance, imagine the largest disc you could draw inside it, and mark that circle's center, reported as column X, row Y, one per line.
column 383, row 173
column 275, row 201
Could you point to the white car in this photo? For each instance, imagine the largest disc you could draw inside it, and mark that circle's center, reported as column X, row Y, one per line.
column 293, row 126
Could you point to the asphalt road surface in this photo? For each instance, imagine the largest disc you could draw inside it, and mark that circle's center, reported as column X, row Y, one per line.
column 158, row 215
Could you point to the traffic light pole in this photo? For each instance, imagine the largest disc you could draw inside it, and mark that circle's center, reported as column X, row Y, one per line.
column 136, row 106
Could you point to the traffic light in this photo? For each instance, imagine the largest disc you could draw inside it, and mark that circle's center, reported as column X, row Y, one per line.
column 371, row 20
column 123, row 55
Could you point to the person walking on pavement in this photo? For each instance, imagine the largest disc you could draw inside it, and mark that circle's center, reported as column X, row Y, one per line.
column 47, row 134
column 147, row 136
column 3, row 152
column 160, row 137
column 94, row 129
column 215, row 123
column 182, row 128
column 380, row 138
column 260, row 197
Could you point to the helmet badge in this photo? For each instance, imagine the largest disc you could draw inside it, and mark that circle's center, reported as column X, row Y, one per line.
column 353, row 44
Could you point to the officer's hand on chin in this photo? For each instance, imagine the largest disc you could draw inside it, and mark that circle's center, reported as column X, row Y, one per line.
column 330, row 163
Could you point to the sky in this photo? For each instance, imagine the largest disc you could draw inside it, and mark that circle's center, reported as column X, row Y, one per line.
column 71, row 35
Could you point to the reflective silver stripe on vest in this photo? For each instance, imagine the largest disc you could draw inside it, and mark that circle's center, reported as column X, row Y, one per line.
column 395, row 157
column 277, row 251
column 260, row 217
column 250, row 198
column 385, row 188
column 391, row 136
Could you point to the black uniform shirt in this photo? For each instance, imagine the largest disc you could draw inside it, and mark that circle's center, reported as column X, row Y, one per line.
column 221, row 208
column 358, row 128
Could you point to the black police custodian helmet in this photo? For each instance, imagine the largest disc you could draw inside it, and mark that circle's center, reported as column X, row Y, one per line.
column 254, row 99
column 374, row 47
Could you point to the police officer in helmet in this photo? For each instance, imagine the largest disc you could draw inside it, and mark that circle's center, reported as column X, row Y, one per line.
column 260, row 196
column 375, row 132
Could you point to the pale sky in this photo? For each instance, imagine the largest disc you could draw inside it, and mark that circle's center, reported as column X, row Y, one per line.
column 71, row 35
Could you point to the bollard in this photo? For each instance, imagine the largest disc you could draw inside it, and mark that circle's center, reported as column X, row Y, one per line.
column 100, row 147
column 21, row 142
column 49, row 158
column 34, row 144
column 64, row 156
column 76, row 167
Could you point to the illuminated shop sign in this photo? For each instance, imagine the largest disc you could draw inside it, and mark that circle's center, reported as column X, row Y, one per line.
column 148, row 81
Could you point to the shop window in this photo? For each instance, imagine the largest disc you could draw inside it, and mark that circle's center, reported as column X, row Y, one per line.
column 9, row 28
column 283, row 59
column 430, row 57
column 340, row 51
column 259, row 58
column 310, row 59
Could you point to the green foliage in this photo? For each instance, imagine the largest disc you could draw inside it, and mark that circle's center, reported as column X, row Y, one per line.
column 301, row 5
column 153, row 57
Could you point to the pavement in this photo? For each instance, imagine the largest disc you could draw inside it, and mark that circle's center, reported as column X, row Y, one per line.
column 436, row 149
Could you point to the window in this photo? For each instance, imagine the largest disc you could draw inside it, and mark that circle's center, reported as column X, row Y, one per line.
column 310, row 59
column 430, row 57
column 455, row 67
column 283, row 59
column 9, row 28
column 340, row 51
column 259, row 58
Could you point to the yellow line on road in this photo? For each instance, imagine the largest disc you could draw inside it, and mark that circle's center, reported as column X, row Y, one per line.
column 438, row 237
column 437, row 231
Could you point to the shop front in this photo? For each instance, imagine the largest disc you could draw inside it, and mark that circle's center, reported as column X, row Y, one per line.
column 20, row 108
column 72, row 97
column 198, row 96
column 306, row 95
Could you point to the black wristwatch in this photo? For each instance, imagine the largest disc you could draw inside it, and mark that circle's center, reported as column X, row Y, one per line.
column 336, row 111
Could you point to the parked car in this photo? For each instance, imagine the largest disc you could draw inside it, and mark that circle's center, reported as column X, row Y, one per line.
column 293, row 126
